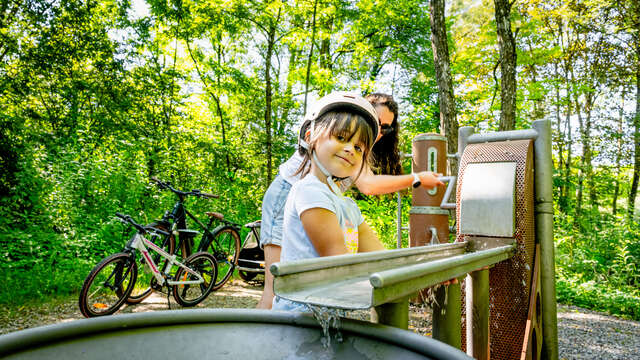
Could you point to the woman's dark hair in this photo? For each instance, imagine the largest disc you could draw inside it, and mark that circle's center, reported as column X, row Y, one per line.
column 385, row 156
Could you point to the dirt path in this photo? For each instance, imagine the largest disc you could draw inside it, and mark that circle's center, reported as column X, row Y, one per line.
column 582, row 334
column 236, row 294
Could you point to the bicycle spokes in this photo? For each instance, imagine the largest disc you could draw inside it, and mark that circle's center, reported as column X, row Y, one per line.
column 191, row 294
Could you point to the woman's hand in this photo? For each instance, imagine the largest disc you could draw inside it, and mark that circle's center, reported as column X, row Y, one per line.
column 429, row 180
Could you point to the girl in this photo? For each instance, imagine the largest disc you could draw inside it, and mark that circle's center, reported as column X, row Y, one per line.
column 318, row 219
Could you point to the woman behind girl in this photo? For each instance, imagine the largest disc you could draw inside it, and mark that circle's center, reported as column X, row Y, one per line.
column 384, row 159
column 318, row 219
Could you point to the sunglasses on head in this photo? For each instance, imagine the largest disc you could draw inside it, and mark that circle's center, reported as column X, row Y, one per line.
column 385, row 129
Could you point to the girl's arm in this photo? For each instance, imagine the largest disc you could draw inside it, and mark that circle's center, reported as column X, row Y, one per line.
column 370, row 184
column 324, row 231
column 367, row 239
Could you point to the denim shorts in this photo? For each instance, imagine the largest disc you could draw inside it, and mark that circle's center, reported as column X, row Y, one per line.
column 273, row 212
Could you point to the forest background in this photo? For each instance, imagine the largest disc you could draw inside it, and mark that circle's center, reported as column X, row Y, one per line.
column 99, row 95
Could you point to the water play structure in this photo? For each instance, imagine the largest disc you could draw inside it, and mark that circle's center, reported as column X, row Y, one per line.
column 503, row 254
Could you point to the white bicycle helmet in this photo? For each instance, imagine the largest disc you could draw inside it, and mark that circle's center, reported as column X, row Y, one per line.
column 340, row 100
column 333, row 102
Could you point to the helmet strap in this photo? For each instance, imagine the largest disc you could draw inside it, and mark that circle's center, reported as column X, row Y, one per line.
column 332, row 185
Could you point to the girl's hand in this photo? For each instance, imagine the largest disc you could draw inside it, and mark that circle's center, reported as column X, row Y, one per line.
column 429, row 179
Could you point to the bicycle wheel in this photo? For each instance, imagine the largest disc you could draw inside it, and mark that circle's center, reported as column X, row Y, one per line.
column 247, row 276
column 108, row 285
column 142, row 288
column 224, row 245
column 192, row 294
column 251, row 241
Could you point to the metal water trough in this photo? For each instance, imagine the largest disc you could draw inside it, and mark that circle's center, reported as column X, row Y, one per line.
column 218, row 334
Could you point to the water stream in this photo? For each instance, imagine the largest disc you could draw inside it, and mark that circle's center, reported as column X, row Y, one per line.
column 327, row 318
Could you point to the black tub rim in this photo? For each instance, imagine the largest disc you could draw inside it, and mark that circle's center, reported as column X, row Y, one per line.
column 18, row 341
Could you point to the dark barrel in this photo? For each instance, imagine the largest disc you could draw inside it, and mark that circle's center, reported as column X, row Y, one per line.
column 218, row 334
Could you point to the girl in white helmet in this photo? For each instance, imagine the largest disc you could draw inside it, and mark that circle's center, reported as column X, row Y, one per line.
column 385, row 159
column 318, row 219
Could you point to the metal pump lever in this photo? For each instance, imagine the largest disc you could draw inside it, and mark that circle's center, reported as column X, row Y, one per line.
column 452, row 181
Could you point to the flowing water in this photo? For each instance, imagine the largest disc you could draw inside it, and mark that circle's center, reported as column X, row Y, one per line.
column 327, row 318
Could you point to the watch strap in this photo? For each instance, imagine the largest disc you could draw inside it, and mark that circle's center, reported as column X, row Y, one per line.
column 416, row 180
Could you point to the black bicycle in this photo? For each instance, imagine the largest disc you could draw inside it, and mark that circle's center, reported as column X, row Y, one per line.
column 181, row 238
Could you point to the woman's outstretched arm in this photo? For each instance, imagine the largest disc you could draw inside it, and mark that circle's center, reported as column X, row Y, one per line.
column 370, row 184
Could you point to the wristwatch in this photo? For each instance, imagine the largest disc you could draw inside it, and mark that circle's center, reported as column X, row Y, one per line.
column 416, row 180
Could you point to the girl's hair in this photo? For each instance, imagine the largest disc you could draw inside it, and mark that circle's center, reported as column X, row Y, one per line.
column 336, row 123
column 385, row 156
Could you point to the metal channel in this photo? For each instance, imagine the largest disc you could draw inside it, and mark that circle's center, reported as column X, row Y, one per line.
column 343, row 281
column 395, row 283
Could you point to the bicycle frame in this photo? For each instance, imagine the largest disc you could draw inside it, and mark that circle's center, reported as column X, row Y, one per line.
column 140, row 243
column 179, row 216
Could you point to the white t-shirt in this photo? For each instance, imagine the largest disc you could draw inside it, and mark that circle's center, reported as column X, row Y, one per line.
column 288, row 168
column 310, row 193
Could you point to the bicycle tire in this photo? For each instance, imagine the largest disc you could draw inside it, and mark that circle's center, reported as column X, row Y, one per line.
column 108, row 285
column 224, row 245
column 251, row 238
column 142, row 288
column 191, row 295
column 247, row 276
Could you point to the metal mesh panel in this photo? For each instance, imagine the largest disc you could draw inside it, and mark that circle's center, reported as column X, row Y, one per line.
column 509, row 281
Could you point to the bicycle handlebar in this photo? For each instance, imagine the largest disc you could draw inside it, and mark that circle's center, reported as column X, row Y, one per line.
column 141, row 229
column 127, row 218
column 167, row 185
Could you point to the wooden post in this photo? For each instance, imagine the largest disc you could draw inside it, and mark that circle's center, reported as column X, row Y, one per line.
column 478, row 314
column 447, row 314
column 393, row 314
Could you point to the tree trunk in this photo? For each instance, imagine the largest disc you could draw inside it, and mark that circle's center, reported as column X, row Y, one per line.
column 588, row 152
column 448, row 121
column 288, row 89
column 567, row 164
column 636, row 135
column 271, row 35
column 538, row 99
column 507, row 44
column 582, row 160
column 325, row 47
column 313, row 39
column 616, row 189
column 562, row 200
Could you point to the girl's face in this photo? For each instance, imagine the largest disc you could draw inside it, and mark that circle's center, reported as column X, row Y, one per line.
column 341, row 154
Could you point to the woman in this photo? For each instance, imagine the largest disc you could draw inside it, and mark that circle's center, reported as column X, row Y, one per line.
column 384, row 160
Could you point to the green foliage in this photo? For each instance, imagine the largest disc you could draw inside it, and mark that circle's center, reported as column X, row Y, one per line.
column 597, row 267
column 381, row 213
column 624, row 302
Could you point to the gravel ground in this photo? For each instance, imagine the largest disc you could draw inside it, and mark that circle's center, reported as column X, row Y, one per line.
column 582, row 334
column 585, row 334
